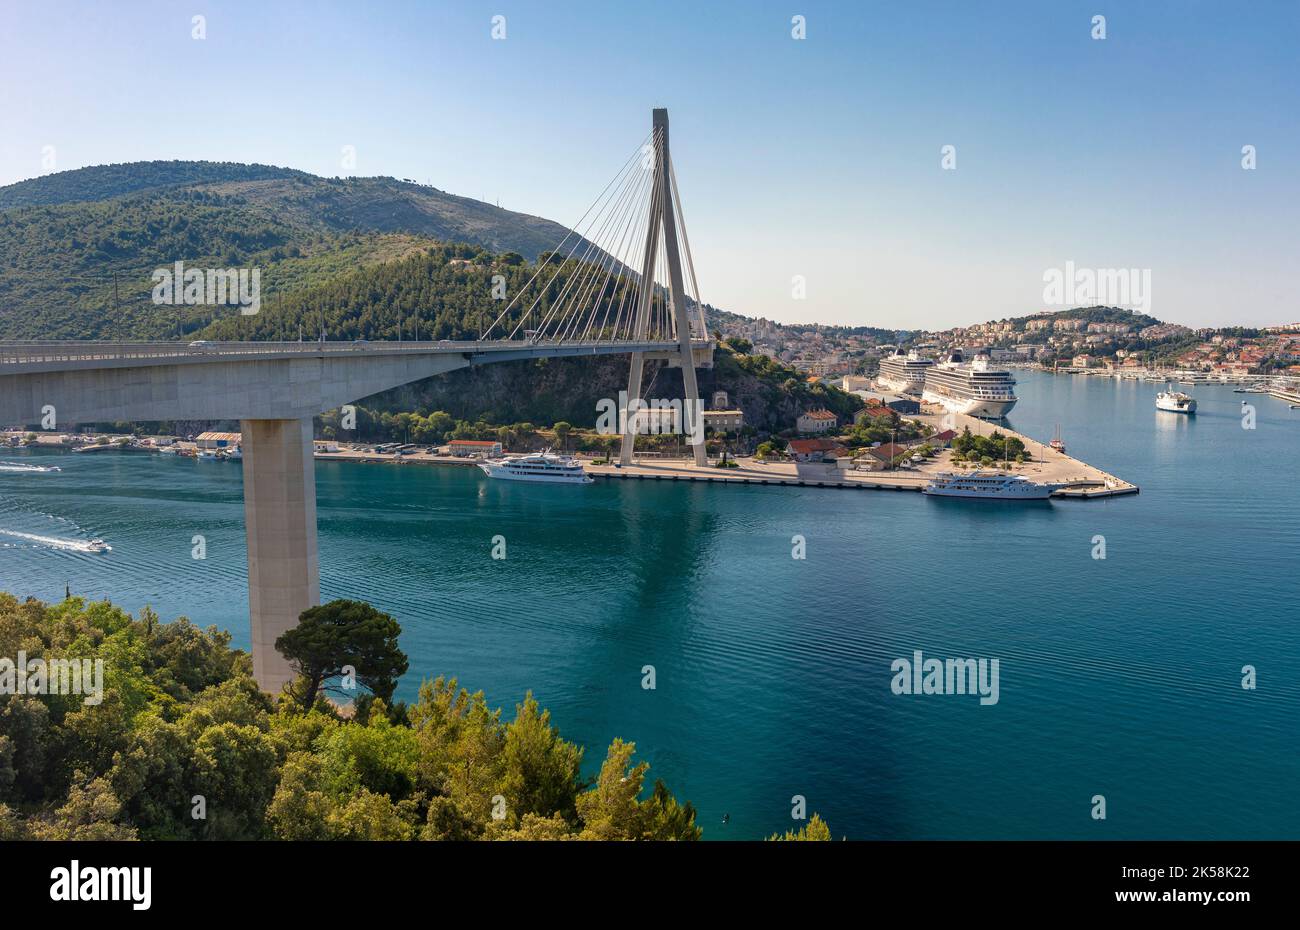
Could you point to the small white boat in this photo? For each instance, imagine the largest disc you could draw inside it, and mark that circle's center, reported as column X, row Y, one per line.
column 206, row 455
column 97, row 545
column 234, row 454
column 989, row 485
column 1175, row 402
column 537, row 466
column 167, row 450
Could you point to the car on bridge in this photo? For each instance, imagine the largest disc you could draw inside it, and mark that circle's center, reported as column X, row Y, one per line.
column 202, row 345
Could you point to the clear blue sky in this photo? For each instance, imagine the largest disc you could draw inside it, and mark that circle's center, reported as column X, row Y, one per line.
column 818, row 157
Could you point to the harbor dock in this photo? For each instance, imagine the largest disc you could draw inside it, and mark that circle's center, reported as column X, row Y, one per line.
column 1081, row 480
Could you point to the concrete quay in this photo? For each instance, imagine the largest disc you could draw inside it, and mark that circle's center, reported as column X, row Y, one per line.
column 1081, row 480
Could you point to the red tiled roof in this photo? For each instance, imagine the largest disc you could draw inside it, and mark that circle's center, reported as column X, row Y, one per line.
column 804, row 446
column 887, row 451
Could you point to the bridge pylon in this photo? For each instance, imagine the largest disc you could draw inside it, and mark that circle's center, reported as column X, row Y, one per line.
column 664, row 213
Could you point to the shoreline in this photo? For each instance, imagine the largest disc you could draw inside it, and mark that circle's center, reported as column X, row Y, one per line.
column 1083, row 481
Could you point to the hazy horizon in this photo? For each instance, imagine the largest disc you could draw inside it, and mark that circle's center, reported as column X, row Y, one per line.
column 818, row 157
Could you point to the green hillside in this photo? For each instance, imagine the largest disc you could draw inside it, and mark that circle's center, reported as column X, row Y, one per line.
column 104, row 181
column 439, row 292
column 77, row 248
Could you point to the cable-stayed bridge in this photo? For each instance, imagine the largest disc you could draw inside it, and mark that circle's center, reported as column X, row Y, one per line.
column 621, row 282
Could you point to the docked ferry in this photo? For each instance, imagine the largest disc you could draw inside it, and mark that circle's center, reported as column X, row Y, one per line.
column 971, row 388
column 904, row 372
column 990, row 485
column 537, row 466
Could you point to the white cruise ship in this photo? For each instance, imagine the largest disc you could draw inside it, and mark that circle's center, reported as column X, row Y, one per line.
column 537, row 466
column 990, row 485
column 974, row 389
column 904, row 372
column 1175, row 402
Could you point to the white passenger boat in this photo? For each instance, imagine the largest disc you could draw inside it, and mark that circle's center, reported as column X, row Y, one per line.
column 537, row 466
column 991, row 485
column 1175, row 402
column 97, row 545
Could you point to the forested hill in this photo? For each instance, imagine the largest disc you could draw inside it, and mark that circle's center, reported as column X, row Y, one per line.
column 104, row 181
column 435, row 292
column 77, row 248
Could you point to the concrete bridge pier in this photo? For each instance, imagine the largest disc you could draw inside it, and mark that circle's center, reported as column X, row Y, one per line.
column 280, row 515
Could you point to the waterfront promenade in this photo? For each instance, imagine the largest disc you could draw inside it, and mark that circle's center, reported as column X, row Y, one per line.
column 1081, row 479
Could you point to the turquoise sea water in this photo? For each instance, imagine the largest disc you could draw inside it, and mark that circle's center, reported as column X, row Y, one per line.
column 1119, row 677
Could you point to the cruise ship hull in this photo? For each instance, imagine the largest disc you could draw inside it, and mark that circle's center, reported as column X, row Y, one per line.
column 971, row 406
column 901, row 385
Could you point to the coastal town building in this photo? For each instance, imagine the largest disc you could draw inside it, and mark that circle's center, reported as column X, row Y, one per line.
column 882, row 404
column 817, row 421
column 816, row 450
column 723, row 420
column 881, row 456
column 212, row 440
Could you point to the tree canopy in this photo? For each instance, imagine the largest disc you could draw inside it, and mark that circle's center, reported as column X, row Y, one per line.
column 184, row 745
column 344, row 638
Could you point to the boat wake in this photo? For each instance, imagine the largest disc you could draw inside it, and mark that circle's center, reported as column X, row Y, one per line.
column 54, row 542
column 24, row 467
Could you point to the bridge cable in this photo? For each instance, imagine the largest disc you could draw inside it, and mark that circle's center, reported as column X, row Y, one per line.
column 560, row 267
column 537, row 271
column 586, row 265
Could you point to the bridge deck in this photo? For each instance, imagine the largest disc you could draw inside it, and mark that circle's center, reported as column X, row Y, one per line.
column 24, row 357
